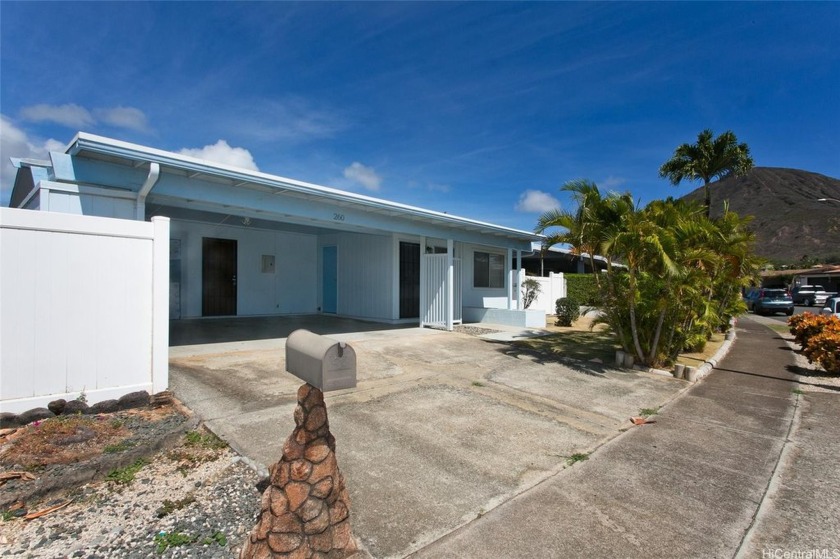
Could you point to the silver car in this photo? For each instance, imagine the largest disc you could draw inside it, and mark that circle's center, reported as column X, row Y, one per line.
column 832, row 307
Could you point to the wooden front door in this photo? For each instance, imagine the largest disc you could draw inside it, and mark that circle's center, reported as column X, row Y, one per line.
column 409, row 280
column 218, row 271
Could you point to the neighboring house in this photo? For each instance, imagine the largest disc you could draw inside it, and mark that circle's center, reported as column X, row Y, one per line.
column 245, row 243
column 560, row 261
column 826, row 276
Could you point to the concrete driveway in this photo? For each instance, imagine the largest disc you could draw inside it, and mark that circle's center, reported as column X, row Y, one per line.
column 442, row 427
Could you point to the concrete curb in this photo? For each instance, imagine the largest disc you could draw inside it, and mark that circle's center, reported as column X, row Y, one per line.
column 704, row 369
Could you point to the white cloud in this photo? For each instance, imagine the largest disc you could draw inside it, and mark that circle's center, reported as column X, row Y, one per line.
column 221, row 152
column 292, row 120
column 124, row 117
column 69, row 115
column 612, row 182
column 79, row 118
column 366, row 176
column 14, row 142
column 536, row 201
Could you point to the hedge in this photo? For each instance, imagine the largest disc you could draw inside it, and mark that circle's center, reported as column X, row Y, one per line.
column 582, row 289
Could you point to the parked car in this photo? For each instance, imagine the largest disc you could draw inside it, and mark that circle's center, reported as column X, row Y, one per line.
column 820, row 298
column 771, row 301
column 832, row 307
column 807, row 294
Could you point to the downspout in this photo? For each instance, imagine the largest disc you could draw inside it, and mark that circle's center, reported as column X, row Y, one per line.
column 148, row 185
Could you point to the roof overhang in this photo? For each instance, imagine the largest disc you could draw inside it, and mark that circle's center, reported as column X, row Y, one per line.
column 90, row 146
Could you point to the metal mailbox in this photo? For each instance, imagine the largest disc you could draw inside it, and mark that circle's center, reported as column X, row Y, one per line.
column 323, row 362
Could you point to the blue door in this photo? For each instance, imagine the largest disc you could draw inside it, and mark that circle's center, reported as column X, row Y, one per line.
column 330, row 280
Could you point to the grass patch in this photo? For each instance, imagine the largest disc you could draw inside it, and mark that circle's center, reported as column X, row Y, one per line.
column 121, row 446
column 171, row 506
column 645, row 412
column 204, row 440
column 124, row 476
column 217, row 537
column 198, row 447
column 798, row 391
column 577, row 457
column 165, row 540
column 695, row 359
column 477, row 383
column 583, row 345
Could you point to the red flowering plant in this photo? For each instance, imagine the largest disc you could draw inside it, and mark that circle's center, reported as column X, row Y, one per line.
column 819, row 336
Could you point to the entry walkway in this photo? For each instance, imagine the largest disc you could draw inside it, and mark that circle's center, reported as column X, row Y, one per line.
column 728, row 470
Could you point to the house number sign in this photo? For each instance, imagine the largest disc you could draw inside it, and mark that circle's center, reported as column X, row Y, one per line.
column 338, row 217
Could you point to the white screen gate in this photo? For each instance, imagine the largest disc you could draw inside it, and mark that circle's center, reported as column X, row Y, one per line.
column 433, row 282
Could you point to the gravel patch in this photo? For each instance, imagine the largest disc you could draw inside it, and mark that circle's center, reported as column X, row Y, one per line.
column 474, row 330
column 206, row 507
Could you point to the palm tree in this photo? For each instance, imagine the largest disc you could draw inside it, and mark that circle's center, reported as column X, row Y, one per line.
column 579, row 228
column 709, row 158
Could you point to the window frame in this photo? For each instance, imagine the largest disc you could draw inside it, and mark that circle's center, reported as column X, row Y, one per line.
column 488, row 270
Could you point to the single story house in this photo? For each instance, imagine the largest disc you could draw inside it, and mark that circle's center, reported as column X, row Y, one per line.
column 826, row 276
column 245, row 243
column 561, row 261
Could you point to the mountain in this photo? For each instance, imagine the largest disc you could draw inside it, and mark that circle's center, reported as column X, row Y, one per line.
column 790, row 224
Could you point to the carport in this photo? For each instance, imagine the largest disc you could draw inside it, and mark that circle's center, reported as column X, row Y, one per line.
column 199, row 331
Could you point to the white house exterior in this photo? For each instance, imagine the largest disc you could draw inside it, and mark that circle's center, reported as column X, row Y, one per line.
column 246, row 243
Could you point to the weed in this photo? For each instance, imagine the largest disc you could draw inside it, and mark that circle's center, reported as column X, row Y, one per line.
column 116, row 423
column 798, row 391
column 165, row 540
column 577, row 457
column 118, row 447
column 477, row 383
column 204, row 440
column 6, row 515
column 124, row 476
column 217, row 537
column 171, row 506
column 82, row 397
column 644, row 412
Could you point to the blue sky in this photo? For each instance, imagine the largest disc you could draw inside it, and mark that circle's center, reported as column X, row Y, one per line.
column 482, row 110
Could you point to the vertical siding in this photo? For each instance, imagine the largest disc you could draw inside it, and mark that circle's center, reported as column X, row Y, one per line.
column 365, row 274
column 291, row 289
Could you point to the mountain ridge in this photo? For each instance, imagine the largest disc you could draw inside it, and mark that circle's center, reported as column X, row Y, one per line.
column 790, row 224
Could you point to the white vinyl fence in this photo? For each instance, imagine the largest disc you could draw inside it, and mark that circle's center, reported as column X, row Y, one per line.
column 551, row 288
column 84, row 307
column 435, row 285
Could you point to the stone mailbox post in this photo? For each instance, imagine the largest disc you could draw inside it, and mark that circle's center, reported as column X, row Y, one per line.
column 305, row 511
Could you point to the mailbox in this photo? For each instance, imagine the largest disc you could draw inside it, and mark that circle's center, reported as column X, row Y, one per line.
column 324, row 363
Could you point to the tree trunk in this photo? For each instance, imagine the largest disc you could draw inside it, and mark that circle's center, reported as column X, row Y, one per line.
column 708, row 192
column 655, row 344
column 633, row 330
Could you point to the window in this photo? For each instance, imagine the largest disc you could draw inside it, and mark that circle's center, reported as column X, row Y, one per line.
column 488, row 270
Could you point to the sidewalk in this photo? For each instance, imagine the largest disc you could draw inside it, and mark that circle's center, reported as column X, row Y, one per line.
column 739, row 465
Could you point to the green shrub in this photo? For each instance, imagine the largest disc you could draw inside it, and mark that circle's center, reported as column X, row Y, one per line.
column 583, row 289
column 531, row 289
column 567, row 311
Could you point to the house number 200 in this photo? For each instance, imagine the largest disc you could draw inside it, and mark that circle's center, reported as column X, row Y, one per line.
column 338, row 217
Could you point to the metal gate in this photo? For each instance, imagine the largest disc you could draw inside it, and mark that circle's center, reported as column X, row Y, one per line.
column 433, row 282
